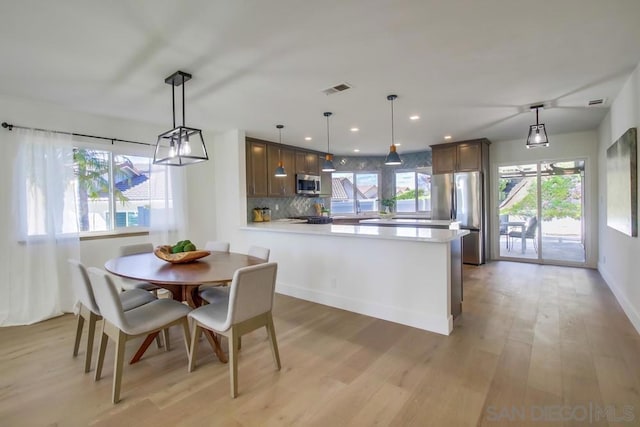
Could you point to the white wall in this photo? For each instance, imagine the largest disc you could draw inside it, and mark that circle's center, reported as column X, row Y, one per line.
column 216, row 191
column 619, row 253
column 569, row 146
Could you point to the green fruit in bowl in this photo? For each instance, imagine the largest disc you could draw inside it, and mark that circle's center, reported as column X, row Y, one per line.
column 189, row 247
column 177, row 249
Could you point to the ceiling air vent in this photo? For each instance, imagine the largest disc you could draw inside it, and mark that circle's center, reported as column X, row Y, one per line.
column 596, row 102
column 337, row 88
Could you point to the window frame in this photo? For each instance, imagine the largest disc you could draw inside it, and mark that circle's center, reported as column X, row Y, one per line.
column 415, row 171
column 355, row 204
column 112, row 230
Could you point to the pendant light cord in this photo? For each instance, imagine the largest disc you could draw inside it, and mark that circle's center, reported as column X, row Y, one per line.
column 280, row 142
column 392, row 133
column 173, row 104
column 183, row 107
column 328, row 152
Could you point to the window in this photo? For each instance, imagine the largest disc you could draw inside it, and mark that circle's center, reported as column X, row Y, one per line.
column 354, row 192
column 113, row 190
column 413, row 191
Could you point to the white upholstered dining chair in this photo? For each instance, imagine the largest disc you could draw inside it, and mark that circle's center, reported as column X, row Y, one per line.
column 248, row 307
column 259, row 252
column 211, row 294
column 140, row 248
column 217, row 246
column 121, row 326
column 89, row 311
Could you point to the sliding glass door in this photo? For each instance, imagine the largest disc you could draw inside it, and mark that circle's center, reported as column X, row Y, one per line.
column 541, row 212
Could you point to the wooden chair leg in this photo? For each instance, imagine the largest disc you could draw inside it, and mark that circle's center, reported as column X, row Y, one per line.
column 91, row 330
column 165, row 335
column 118, row 366
column 186, row 335
column 196, row 330
column 76, row 345
column 233, row 361
column 272, row 338
column 101, row 352
column 158, row 342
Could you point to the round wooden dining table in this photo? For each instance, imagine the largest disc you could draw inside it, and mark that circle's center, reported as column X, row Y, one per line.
column 182, row 280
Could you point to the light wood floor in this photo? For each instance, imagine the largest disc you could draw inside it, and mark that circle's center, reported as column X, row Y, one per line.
column 530, row 337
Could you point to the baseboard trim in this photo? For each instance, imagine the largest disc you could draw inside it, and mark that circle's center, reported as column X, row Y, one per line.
column 441, row 325
column 627, row 307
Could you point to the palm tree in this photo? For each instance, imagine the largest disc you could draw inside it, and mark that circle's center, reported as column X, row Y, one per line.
column 92, row 172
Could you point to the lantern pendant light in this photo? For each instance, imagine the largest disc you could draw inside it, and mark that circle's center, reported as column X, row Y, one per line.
column 181, row 145
column 327, row 165
column 280, row 172
column 392, row 158
column 537, row 133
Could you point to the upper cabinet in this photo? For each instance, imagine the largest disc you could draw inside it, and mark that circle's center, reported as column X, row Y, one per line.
column 257, row 185
column 262, row 161
column 463, row 156
column 443, row 158
column 307, row 163
column 280, row 185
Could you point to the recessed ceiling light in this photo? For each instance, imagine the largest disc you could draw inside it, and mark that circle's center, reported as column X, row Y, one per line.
column 307, row 138
column 447, row 137
column 356, row 150
column 415, row 117
column 355, row 129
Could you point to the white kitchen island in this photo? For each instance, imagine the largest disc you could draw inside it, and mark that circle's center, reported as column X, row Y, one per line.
column 407, row 275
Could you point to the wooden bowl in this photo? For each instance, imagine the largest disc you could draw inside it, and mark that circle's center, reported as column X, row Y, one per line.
column 164, row 253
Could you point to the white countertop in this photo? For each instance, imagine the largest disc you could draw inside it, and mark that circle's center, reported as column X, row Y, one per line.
column 421, row 234
column 410, row 222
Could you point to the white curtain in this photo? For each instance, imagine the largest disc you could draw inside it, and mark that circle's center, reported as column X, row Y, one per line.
column 43, row 232
column 168, row 204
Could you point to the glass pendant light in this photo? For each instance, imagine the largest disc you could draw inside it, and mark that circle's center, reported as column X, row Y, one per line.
column 537, row 133
column 280, row 172
column 181, row 145
column 392, row 158
column 327, row 165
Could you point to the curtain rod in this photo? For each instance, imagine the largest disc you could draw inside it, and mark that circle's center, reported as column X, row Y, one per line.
column 10, row 127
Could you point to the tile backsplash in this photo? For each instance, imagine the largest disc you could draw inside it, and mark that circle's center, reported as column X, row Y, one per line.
column 286, row 207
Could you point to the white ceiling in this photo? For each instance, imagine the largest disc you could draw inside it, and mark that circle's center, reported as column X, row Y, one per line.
column 469, row 68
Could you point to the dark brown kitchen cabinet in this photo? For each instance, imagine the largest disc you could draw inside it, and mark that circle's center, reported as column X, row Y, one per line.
column 257, row 179
column 262, row 161
column 280, row 186
column 307, row 163
column 443, row 158
column 469, row 157
column 463, row 156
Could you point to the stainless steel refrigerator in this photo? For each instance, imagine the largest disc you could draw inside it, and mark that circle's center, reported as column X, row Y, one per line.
column 459, row 197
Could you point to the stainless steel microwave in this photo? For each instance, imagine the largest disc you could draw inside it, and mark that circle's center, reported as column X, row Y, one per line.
column 307, row 185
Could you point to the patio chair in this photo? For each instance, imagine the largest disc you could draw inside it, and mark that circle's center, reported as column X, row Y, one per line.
column 504, row 228
column 529, row 233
